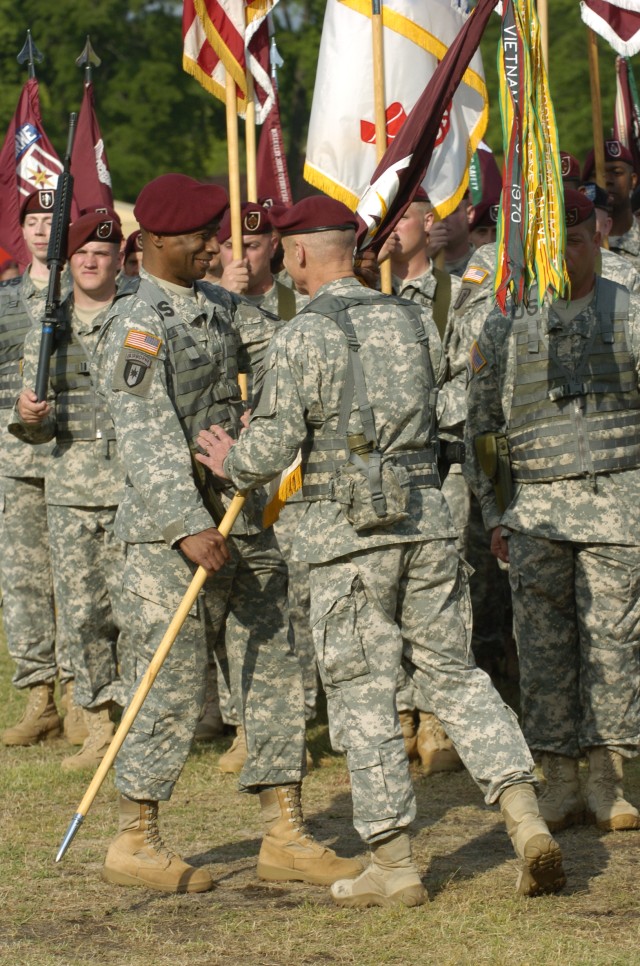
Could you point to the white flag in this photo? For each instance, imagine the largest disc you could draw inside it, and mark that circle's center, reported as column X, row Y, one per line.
column 341, row 149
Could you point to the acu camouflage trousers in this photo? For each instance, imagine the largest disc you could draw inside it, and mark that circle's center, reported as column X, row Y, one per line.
column 576, row 610
column 406, row 604
column 250, row 594
column 25, row 578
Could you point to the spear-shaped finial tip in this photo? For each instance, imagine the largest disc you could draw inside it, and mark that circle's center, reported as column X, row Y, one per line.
column 30, row 55
column 88, row 55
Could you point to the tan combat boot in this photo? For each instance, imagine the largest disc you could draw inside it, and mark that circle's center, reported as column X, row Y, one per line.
column 100, row 731
column 539, row 854
column 606, row 805
column 138, row 856
column 232, row 762
column 210, row 724
column 75, row 729
column 561, row 803
column 435, row 749
column 408, row 727
column 391, row 879
column 39, row 721
column 288, row 852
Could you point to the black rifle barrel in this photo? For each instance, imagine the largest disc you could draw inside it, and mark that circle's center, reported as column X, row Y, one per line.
column 56, row 257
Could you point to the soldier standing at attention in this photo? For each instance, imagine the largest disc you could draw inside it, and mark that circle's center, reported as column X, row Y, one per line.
column 25, row 567
column 85, row 482
column 560, row 387
column 168, row 367
column 355, row 371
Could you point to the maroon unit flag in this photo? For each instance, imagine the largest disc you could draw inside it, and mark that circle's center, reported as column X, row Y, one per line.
column 617, row 21
column 404, row 163
column 89, row 165
column 28, row 161
column 271, row 161
column 626, row 121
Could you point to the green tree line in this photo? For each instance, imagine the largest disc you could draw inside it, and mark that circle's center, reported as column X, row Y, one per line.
column 155, row 118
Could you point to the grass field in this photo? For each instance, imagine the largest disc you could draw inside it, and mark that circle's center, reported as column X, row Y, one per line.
column 65, row 915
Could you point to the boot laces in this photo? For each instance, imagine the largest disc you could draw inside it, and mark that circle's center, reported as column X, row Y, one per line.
column 296, row 818
column 152, row 836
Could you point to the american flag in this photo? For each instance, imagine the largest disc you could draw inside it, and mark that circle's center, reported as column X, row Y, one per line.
column 144, row 341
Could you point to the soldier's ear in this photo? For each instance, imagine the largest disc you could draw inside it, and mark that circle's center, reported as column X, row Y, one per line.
column 300, row 254
column 428, row 221
column 156, row 240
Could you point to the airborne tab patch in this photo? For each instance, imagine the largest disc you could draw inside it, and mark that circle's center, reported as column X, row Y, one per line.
column 476, row 358
column 475, row 274
column 143, row 341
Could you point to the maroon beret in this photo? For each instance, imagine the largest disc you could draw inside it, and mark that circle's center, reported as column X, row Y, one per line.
column 133, row 243
column 569, row 167
column 39, row 202
column 613, row 151
column 94, row 226
column 420, row 195
column 175, row 204
column 577, row 207
column 318, row 213
column 485, row 214
column 254, row 218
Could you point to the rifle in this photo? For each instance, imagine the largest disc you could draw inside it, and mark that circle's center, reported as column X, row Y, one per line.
column 56, row 257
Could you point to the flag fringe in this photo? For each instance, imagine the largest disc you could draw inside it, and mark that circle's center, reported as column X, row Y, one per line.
column 330, row 187
column 288, row 486
column 628, row 48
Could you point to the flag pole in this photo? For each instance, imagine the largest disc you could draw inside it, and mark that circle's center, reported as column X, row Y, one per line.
column 596, row 107
column 233, row 158
column 250, row 141
column 380, row 115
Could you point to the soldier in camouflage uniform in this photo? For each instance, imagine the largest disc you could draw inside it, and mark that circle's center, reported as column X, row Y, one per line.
column 562, row 386
column 168, row 367
column 415, row 277
column 252, row 278
column 25, row 568
column 389, row 587
column 620, row 182
column 85, row 481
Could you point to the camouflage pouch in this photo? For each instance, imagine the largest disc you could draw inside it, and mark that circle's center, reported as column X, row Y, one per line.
column 352, row 492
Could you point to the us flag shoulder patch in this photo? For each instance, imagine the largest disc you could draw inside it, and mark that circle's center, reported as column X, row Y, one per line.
column 475, row 274
column 143, row 341
column 477, row 360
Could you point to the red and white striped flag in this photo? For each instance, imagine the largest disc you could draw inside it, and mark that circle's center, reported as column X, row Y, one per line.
column 617, row 21
column 28, row 161
column 231, row 36
column 89, row 165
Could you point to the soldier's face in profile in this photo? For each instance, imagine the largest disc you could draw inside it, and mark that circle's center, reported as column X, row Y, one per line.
column 185, row 258
column 411, row 230
column 36, row 230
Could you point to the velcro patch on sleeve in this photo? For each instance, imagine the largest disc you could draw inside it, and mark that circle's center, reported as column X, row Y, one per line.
column 476, row 358
column 143, row 341
column 133, row 372
column 475, row 274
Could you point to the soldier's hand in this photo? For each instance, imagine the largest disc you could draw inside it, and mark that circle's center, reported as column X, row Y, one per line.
column 366, row 269
column 30, row 410
column 207, row 549
column 438, row 238
column 216, row 443
column 235, row 277
column 499, row 545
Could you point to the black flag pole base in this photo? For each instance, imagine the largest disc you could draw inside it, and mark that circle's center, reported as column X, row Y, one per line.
column 74, row 825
